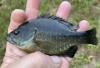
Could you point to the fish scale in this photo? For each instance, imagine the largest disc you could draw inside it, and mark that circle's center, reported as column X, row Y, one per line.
column 49, row 37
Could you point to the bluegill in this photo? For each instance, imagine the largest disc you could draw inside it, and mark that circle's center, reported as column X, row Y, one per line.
column 50, row 35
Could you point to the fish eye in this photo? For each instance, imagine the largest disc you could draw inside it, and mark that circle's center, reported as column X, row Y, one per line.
column 16, row 32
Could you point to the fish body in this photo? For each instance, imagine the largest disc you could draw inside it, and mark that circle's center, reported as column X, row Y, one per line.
column 50, row 35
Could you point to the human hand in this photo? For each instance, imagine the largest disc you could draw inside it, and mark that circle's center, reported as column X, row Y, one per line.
column 15, row 58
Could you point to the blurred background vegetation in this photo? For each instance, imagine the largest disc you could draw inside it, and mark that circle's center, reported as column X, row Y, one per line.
column 87, row 56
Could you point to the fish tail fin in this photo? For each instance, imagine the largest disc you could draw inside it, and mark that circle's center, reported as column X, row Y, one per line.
column 91, row 36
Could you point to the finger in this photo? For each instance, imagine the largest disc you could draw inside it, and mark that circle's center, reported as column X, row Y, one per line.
column 32, row 8
column 66, row 63
column 35, row 60
column 64, row 10
column 83, row 26
column 17, row 17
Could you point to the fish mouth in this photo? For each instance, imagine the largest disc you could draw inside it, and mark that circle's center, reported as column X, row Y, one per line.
column 10, row 39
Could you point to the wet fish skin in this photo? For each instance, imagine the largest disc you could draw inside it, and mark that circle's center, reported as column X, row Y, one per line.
column 50, row 35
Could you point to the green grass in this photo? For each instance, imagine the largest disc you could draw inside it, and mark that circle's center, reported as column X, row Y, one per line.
column 82, row 9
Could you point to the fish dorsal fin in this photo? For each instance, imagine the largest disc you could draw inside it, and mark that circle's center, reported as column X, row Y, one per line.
column 48, row 16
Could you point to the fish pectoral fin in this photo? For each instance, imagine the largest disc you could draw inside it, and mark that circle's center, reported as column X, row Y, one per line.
column 72, row 51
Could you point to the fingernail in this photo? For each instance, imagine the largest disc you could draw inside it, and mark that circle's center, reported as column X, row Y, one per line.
column 66, row 3
column 64, row 10
column 18, row 16
column 56, row 59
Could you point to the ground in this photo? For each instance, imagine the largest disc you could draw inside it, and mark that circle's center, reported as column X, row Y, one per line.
column 87, row 56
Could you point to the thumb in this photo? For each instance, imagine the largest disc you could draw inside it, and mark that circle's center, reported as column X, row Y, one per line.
column 37, row 60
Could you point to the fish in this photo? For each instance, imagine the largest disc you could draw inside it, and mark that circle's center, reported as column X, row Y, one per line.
column 51, row 35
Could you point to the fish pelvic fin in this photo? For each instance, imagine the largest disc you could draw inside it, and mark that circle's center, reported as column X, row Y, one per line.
column 72, row 51
column 91, row 36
